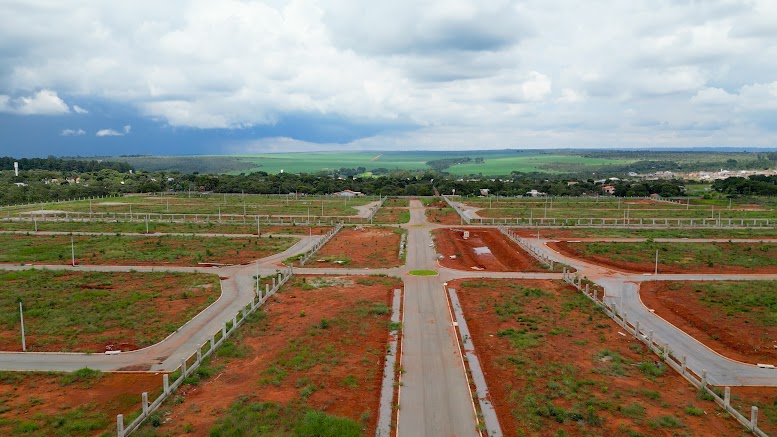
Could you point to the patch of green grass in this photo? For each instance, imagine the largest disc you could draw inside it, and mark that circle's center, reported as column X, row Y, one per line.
column 85, row 375
column 423, row 272
column 693, row 411
column 633, row 410
column 665, row 422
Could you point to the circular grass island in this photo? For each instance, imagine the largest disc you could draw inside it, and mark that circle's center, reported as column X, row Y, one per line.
column 423, row 272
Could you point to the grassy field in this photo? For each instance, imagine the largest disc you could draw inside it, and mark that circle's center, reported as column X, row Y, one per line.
column 495, row 162
column 679, row 257
column 208, row 204
column 84, row 311
column 158, row 227
column 134, row 250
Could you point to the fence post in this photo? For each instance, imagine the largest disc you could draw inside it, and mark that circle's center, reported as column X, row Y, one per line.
column 704, row 378
column 266, row 290
column 727, row 397
column 753, row 417
column 183, row 368
column 144, row 402
column 166, row 383
column 650, row 339
column 120, row 425
column 636, row 329
column 684, row 365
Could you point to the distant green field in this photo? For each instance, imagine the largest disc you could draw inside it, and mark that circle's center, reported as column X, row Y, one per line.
column 495, row 162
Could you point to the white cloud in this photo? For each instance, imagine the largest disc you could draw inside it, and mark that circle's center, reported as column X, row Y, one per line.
column 109, row 133
column 44, row 102
column 713, row 96
column 72, row 132
column 127, row 129
column 448, row 67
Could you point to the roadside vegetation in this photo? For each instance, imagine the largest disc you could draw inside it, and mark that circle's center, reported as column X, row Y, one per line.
column 67, row 311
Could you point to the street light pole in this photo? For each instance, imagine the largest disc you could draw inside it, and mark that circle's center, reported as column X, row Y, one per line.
column 656, row 271
column 72, row 252
column 21, row 316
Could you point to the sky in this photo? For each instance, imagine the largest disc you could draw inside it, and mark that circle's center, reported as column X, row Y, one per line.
column 179, row 77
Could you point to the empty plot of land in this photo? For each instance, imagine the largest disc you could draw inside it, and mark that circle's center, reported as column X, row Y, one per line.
column 737, row 319
column 139, row 226
column 577, row 233
column 135, row 250
column 208, row 204
column 553, row 361
column 482, row 249
column 82, row 403
column 676, row 257
column 360, row 247
column 316, row 353
column 67, row 311
column 439, row 212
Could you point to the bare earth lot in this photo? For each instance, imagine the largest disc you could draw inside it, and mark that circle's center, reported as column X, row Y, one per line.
column 360, row 248
column 318, row 345
column 555, row 363
column 734, row 318
column 80, row 404
column 439, row 212
column 68, row 311
column 484, row 249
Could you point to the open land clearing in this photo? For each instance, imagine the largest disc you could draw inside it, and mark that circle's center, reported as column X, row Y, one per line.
column 203, row 204
column 139, row 227
column 572, row 233
column 372, row 247
column 484, row 249
column 67, row 311
column 737, row 319
column 138, row 250
column 318, row 345
column 676, row 257
column 554, row 362
column 439, row 212
column 68, row 404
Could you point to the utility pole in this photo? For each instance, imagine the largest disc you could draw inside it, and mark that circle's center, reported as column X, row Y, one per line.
column 21, row 316
column 72, row 252
column 258, row 229
column 146, row 223
column 656, row 271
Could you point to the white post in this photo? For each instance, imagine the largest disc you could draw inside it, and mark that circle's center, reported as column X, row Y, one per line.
column 147, row 223
column 727, row 397
column 72, row 252
column 753, row 417
column 144, row 401
column 656, row 271
column 166, row 383
column 120, row 425
column 21, row 316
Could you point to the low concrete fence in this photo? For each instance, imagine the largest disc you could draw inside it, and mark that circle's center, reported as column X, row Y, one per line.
column 696, row 377
column 231, row 219
column 458, row 210
column 647, row 223
column 402, row 245
column 190, row 364
column 328, row 236
column 541, row 257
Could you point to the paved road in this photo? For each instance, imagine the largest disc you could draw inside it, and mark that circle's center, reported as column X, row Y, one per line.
column 622, row 290
column 434, row 399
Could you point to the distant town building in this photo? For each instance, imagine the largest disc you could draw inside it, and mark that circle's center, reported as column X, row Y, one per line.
column 609, row 189
column 348, row 193
column 535, row 193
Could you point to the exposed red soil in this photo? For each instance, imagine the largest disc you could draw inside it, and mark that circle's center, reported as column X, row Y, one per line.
column 505, row 255
column 574, row 250
column 170, row 304
column 39, row 397
column 583, row 332
column 291, row 316
column 765, row 398
column 440, row 212
column 370, row 247
column 734, row 336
